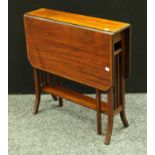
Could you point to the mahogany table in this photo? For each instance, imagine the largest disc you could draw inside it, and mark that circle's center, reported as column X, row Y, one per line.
column 88, row 50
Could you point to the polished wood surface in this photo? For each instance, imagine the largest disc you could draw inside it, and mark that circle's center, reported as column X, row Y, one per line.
column 80, row 20
column 77, row 54
column 37, row 90
column 98, row 109
column 78, row 98
column 110, row 115
column 88, row 50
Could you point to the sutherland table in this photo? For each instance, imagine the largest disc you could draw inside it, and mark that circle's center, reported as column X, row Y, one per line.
column 88, row 50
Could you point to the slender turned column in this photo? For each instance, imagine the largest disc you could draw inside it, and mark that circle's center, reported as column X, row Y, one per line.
column 110, row 116
column 37, row 90
column 60, row 98
column 98, row 109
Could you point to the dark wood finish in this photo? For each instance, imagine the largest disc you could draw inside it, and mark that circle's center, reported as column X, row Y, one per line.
column 37, row 90
column 118, row 80
column 127, row 52
column 110, row 116
column 122, row 83
column 46, row 80
column 78, row 98
column 62, row 53
column 88, row 50
column 49, row 80
column 98, row 109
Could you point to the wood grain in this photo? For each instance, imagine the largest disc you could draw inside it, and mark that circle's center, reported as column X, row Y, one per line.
column 78, row 98
column 88, row 50
column 74, row 53
column 87, row 21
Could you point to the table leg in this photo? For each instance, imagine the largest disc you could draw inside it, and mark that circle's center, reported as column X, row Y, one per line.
column 122, row 92
column 110, row 116
column 98, row 103
column 49, row 79
column 37, row 90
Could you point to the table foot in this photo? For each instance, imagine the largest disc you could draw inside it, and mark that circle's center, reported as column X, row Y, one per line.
column 124, row 119
column 109, row 130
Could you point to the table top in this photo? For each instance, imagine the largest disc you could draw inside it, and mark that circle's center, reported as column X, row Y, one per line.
column 76, row 19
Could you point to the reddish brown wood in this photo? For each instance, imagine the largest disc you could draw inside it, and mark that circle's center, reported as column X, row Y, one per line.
column 70, row 51
column 37, row 90
column 118, row 79
column 127, row 52
column 88, row 50
column 78, row 98
column 122, row 84
column 110, row 116
column 80, row 20
column 98, row 109
column 115, row 83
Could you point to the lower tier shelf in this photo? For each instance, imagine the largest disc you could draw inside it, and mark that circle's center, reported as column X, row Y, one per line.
column 76, row 97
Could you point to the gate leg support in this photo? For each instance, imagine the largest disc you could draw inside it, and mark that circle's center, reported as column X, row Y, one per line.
column 49, row 79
